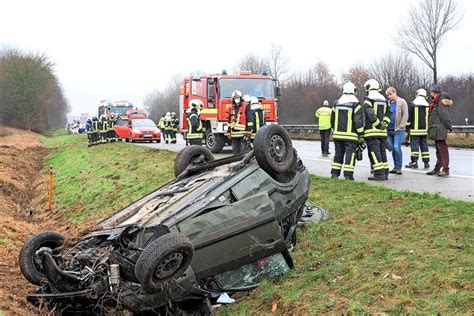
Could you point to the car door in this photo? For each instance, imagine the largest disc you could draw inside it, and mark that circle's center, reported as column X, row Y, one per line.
column 122, row 128
column 233, row 235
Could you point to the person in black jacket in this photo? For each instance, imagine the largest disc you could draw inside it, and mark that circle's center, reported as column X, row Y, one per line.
column 377, row 118
column 418, row 123
column 439, row 124
column 347, row 123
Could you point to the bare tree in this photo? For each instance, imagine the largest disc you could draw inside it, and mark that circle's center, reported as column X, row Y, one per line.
column 358, row 75
column 400, row 72
column 277, row 62
column 425, row 27
column 253, row 63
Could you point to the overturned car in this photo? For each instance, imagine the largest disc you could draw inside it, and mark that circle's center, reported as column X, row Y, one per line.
column 218, row 227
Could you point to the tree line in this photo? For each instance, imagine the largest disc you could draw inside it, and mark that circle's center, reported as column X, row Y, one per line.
column 31, row 96
column 420, row 34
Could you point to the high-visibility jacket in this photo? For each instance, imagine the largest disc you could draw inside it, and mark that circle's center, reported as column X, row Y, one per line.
column 237, row 120
column 347, row 120
column 174, row 124
column 376, row 111
column 194, row 126
column 255, row 119
column 418, row 118
column 324, row 117
column 161, row 123
column 168, row 123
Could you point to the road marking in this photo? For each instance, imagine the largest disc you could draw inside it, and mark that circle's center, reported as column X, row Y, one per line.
column 409, row 170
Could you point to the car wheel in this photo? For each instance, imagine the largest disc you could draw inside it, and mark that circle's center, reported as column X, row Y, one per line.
column 191, row 155
column 215, row 142
column 164, row 259
column 31, row 254
column 274, row 151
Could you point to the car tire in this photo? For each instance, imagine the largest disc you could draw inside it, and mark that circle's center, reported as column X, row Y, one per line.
column 29, row 259
column 189, row 155
column 274, row 151
column 163, row 259
column 215, row 142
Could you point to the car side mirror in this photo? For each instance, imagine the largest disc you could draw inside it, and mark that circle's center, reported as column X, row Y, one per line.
column 278, row 91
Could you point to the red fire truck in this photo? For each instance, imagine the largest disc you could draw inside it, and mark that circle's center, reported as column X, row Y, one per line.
column 215, row 92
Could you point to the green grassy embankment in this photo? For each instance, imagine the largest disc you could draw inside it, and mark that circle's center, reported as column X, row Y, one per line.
column 90, row 183
column 381, row 251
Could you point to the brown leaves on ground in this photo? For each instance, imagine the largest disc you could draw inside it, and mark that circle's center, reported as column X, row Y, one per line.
column 23, row 190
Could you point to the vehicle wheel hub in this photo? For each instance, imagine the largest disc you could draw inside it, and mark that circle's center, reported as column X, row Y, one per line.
column 169, row 265
column 211, row 140
column 277, row 148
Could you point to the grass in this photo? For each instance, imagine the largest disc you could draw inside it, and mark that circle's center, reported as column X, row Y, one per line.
column 99, row 180
column 382, row 251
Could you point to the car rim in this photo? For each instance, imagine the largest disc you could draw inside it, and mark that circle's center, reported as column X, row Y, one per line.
column 169, row 265
column 211, row 140
column 278, row 148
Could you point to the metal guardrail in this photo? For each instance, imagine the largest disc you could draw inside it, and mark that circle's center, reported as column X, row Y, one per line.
column 312, row 128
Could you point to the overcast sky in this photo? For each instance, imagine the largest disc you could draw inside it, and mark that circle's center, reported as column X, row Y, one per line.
column 126, row 49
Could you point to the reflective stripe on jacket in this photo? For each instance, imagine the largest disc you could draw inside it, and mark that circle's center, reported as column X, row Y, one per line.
column 375, row 112
column 347, row 121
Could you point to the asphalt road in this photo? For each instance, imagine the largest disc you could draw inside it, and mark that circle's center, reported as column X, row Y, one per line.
column 460, row 184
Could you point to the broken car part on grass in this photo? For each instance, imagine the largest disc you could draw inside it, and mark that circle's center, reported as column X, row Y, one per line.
column 220, row 226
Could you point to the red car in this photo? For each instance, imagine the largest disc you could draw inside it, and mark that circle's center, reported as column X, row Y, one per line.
column 138, row 130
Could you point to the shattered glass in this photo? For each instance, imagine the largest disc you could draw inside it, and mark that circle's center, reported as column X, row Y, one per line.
column 252, row 274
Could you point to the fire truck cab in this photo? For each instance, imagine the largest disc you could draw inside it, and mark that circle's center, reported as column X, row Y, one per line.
column 215, row 92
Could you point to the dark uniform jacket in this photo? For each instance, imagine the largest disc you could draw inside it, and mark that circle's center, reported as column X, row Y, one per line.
column 376, row 111
column 439, row 122
column 347, row 120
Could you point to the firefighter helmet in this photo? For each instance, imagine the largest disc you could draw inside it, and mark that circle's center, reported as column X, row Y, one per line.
column 168, row 113
column 326, row 103
column 195, row 103
column 253, row 100
column 236, row 94
column 421, row 93
column 371, row 84
column 349, row 88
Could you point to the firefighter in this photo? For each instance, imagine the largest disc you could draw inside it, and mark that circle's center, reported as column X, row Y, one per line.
column 347, row 122
column 255, row 119
column 419, row 112
column 324, row 117
column 167, row 127
column 89, row 132
column 104, row 125
column 161, row 125
column 377, row 118
column 237, row 122
column 94, row 131
column 174, row 127
column 195, row 131
column 111, row 136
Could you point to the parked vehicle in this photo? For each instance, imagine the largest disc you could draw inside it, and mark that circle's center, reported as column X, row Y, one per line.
column 215, row 92
column 221, row 225
column 83, row 122
column 134, row 130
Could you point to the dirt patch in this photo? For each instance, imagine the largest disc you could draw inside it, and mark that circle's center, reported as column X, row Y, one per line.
column 23, row 211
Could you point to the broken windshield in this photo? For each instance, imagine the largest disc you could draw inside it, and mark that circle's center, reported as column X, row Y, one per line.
column 260, row 88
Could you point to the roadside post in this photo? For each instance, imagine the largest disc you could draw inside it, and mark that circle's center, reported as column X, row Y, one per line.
column 50, row 195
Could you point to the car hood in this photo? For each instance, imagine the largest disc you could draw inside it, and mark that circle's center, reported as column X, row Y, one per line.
column 145, row 129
